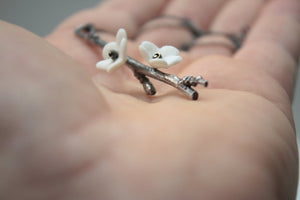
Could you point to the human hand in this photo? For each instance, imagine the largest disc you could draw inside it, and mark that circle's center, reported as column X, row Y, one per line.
column 62, row 137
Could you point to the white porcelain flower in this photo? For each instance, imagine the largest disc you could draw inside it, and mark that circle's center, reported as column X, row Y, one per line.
column 163, row 57
column 114, row 53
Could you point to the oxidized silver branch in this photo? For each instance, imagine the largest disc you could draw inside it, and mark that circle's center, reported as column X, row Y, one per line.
column 141, row 71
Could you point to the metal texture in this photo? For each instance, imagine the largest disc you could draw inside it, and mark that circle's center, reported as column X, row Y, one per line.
column 140, row 70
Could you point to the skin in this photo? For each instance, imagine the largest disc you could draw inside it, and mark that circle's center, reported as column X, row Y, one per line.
column 70, row 132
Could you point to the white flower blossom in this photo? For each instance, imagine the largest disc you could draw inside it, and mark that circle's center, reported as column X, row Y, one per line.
column 163, row 57
column 114, row 53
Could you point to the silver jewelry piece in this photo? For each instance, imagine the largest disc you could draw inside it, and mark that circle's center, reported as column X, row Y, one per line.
column 115, row 55
column 157, row 56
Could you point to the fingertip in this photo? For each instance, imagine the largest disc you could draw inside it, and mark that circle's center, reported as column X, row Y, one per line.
column 290, row 7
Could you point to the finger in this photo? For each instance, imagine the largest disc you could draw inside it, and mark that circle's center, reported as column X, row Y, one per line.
column 34, row 61
column 232, row 74
column 51, row 115
column 236, row 15
column 265, row 65
column 200, row 13
column 273, row 45
column 114, row 14
column 109, row 16
column 234, row 18
column 43, row 99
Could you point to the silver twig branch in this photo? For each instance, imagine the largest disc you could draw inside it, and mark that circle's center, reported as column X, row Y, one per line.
column 141, row 71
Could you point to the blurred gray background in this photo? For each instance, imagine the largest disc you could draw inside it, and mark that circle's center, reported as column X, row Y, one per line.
column 42, row 16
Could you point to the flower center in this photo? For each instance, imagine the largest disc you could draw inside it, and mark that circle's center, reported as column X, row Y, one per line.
column 156, row 56
column 114, row 55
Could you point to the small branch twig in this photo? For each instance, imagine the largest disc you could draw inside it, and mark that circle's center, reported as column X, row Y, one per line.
column 140, row 70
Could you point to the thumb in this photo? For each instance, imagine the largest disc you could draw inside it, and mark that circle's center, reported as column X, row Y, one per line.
column 46, row 99
column 37, row 77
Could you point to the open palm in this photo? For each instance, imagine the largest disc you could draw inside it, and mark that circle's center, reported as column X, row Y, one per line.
column 69, row 131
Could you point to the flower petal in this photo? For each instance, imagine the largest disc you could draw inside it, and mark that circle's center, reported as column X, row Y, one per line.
column 123, row 49
column 115, row 65
column 121, row 35
column 158, row 63
column 122, row 57
column 172, row 60
column 111, row 46
column 104, row 64
column 169, row 51
column 109, row 65
column 147, row 49
column 120, row 47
